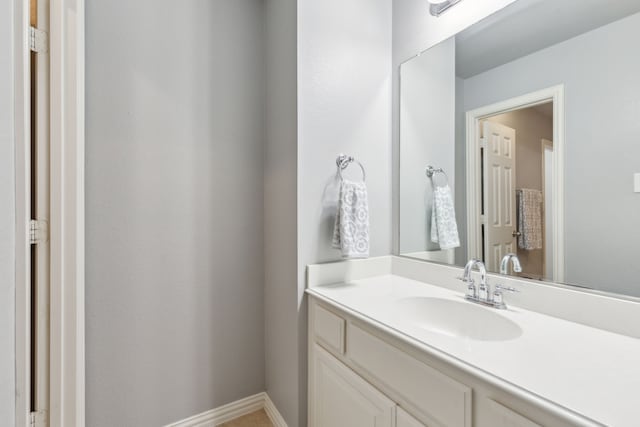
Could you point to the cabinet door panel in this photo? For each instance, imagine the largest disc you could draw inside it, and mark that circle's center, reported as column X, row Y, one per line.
column 340, row 398
column 403, row 419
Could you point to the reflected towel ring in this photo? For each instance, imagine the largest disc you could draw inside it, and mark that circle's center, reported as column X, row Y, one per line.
column 430, row 172
column 343, row 161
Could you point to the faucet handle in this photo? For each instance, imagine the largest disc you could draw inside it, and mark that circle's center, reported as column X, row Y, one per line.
column 500, row 288
column 472, row 291
column 498, row 298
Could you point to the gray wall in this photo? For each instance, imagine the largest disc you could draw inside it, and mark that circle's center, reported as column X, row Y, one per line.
column 283, row 366
column 174, row 243
column 7, row 219
column 344, row 96
column 461, row 176
column 600, row 72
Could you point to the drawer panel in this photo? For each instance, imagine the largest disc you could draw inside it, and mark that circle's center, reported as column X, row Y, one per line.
column 403, row 419
column 501, row 416
column 329, row 329
column 434, row 398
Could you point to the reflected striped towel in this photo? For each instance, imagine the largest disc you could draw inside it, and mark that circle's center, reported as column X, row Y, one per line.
column 529, row 219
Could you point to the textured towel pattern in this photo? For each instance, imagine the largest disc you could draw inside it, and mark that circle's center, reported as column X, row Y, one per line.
column 351, row 228
column 530, row 219
column 444, row 229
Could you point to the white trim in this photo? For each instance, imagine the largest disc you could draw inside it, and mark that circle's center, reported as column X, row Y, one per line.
column 232, row 411
column 272, row 412
column 544, row 144
column 473, row 117
column 67, row 364
column 22, row 138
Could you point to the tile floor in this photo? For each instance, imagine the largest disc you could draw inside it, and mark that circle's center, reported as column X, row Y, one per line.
column 254, row 419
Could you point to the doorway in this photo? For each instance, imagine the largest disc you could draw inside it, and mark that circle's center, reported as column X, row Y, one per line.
column 514, row 183
column 40, row 214
column 514, row 188
column 48, row 66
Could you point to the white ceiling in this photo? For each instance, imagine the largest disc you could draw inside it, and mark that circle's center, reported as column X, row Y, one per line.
column 527, row 26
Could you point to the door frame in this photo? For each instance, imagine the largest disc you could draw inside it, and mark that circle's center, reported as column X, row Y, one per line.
column 474, row 179
column 66, row 224
column 544, row 143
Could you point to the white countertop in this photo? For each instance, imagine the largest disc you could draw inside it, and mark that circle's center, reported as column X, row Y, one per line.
column 589, row 371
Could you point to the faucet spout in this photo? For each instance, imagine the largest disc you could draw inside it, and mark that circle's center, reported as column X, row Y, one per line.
column 504, row 264
column 482, row 294
column 481, row 268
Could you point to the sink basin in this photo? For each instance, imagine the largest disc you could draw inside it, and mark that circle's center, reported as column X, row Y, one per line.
column 460, row 319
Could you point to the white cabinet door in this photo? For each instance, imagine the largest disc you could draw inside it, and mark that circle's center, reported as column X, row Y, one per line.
column 340, row 398
column 403, row 419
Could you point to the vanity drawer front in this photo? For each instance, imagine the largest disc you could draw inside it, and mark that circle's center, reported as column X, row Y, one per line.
column 328, row 329
column 501, row 416
column 431, row 396
column 403, row 419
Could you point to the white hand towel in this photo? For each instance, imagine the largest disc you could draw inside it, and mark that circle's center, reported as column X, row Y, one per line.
column 351, row 228
column 444, row 229
column 530, row 219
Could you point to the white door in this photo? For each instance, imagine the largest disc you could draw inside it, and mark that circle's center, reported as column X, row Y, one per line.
column 340, row 398
column 403, row 419
column 499, row 192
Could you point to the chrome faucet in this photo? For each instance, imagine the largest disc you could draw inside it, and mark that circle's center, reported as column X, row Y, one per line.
column 475, row 293
column 504, row 264
column 482, row 293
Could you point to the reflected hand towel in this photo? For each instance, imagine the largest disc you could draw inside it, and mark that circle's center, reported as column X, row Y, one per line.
column 444, row 229
column 351, row 228
column 530, row 219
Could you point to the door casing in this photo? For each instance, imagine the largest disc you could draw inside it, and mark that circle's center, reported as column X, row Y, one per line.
column 66, row 224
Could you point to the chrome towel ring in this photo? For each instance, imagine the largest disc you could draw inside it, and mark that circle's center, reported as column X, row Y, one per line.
column 343, row 161
column 430, row 171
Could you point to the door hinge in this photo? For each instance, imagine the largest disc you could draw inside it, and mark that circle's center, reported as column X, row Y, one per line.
column 38, row 40
column 38, row 419
column 483, row 142
column 38, row 231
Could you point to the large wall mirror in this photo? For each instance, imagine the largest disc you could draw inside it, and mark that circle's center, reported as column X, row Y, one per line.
column 521, row 135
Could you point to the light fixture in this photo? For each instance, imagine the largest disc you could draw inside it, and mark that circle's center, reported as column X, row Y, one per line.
column 438, row 7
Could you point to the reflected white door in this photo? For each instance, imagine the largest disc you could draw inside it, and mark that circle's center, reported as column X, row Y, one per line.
column 499, row 192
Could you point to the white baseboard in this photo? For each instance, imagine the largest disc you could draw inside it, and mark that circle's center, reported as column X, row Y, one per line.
column 234, row 410
column 272, row 412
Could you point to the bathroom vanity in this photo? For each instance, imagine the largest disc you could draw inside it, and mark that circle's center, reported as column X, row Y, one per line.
column 528, row 122
column 392, row 342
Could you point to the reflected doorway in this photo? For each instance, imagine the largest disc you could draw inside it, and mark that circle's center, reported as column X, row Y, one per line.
column 516, row 186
